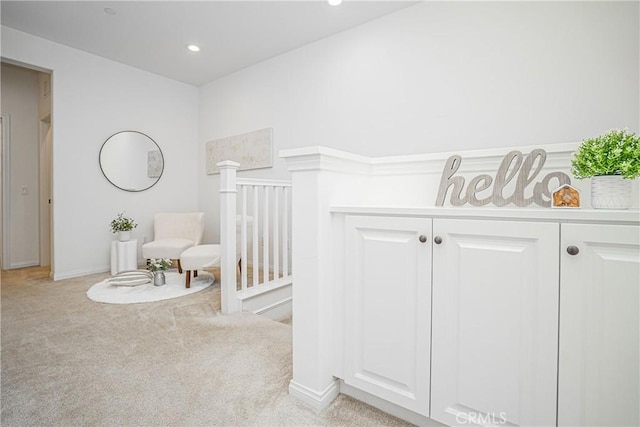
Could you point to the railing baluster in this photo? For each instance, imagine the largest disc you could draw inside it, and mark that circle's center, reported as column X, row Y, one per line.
column 276, row 235
column 285, row 232
column 243, row 239
column 255, row 243
column 265, row 237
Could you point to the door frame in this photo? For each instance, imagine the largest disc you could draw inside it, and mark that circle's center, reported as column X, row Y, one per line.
column 5, row 174
column 44, row 189
column 5, row 120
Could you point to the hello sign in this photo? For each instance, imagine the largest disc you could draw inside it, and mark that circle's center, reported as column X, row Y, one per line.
column 512, row 165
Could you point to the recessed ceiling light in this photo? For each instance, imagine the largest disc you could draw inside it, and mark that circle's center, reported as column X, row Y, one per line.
column 109, row 11
column 334, row 2
column 193, row 48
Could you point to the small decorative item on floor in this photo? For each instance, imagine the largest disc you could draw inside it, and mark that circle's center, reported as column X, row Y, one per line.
column 159, row 279
column 130, row 278
column 612, row 161
column 158, row 266
column 123, row 226
column 566, row 196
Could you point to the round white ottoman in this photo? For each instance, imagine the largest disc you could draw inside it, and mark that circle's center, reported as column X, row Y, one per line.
column 199, row 257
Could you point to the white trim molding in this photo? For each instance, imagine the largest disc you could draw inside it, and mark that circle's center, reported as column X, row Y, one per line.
column 413, row 180
column 324, row 158
column 318, row 400
column 80, row 273
column 6, row 191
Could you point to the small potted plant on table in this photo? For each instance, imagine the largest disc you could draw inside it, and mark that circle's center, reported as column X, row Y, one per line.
column 612, row 161
column 123, row 226
column 158, row 267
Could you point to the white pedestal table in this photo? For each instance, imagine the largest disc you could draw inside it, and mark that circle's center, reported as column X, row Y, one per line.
column 124, row 256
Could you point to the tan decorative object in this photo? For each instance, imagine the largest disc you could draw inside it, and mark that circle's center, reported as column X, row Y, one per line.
column 566, row 196
column 253, row 150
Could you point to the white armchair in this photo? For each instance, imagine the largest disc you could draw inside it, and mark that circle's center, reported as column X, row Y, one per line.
column 173, row 234
column 208, row 256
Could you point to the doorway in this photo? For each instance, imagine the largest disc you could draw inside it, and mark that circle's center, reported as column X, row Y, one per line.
column 26, row 155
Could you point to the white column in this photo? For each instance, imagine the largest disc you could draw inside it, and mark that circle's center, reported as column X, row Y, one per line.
column 228, row 290
column 313, row 380
column 318, row 179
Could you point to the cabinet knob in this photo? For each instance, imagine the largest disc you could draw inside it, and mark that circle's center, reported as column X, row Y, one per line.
column 438, row 240
column 422, row 238
column 573, row 250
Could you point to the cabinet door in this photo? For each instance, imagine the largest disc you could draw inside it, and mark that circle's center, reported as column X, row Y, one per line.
column 599, row 326
column 387, row 308
column 495, row 323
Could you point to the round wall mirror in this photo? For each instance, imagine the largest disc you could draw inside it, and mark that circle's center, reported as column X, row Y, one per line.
column 131, row 161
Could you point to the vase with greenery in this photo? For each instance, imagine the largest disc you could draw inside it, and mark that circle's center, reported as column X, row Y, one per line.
column 123, row 226
column 159, row 264
column 612, row 161
column 158, row 267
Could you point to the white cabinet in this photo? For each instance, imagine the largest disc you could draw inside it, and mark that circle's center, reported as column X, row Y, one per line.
column 388, row 300
column 487, row 321
column 599, row 361
column 495, row 322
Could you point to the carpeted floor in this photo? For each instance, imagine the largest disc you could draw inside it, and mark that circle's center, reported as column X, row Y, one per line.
column 69, row 361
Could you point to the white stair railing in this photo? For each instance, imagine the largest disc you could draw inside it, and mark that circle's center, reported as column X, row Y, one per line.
column 254, row 229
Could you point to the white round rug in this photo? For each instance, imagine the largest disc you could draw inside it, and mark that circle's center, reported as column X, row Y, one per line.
column 105, row 292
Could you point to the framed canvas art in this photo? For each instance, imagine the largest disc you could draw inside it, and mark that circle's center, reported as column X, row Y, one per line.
column 253, row 150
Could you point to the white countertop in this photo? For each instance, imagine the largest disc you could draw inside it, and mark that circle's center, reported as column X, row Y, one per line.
column 630, row 216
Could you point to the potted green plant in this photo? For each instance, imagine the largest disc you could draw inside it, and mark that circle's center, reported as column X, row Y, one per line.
column 123, row 226
column 612, row 161
column 158, row 267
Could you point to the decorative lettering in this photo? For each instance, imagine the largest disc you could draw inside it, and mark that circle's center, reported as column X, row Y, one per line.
column 450, row 169
column 512, row 166
column 502, row 179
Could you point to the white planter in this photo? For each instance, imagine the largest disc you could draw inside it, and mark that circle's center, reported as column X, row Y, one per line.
column 124, row 236
column 610, row 192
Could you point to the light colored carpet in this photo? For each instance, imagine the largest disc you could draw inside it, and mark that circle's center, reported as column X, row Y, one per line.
column 174, row 288
column 67, row 361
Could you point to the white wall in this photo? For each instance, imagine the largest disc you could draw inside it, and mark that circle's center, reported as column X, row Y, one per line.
column 438, row 76
column 20, row 102
column 92, row 99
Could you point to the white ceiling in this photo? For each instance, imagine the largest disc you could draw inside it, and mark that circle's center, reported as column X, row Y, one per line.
column 152, row 35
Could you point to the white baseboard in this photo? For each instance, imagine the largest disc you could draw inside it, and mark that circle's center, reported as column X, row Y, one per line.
column 79, row 273
column 271, row 300
column 317, row 400
column 386, row 406
column 265, row 288
column 22, row 264
column 278, row 311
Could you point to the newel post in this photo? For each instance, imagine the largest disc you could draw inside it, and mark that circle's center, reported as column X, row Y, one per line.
column 230, row 302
